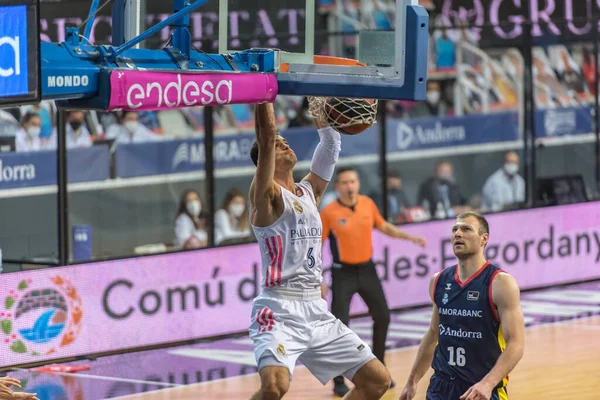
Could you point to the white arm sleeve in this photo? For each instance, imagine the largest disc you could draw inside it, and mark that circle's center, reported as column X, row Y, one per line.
column 327, row 153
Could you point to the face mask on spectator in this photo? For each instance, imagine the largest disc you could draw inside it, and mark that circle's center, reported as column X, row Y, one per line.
column 75, row 125
column 433, row 97
column 34, row 131
column 511, row 168
column 446, row 176
column 194, row 207
column 236, row 210
column 131, row 126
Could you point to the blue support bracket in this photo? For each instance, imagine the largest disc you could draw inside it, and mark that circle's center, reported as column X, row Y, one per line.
column 114, row 52
column 182, row 39
column 91, row 18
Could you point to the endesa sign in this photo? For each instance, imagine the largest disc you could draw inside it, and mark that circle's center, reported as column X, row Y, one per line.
column 115, row 305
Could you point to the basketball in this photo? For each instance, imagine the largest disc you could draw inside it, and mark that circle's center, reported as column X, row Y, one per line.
column 351, row 116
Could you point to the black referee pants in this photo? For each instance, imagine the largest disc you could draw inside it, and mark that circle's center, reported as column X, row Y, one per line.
column 348, row 280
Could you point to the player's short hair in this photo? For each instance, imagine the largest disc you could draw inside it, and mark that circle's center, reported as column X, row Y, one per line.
column 342, row 170
column 484, row 226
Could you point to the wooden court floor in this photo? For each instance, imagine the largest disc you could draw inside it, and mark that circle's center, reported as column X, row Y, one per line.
column 561, row 362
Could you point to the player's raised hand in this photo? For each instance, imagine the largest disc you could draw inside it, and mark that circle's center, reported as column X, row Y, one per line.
column 409, row 392
column 316, row 110
column 479, row 391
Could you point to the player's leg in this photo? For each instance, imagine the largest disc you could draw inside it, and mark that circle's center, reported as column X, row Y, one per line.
column 373, row 295
column 371, row 381
column 344, row 284
column 274, row 380
column 277, row 345
column 335, row 350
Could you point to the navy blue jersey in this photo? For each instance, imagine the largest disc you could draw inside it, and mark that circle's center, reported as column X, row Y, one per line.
column 470, row 337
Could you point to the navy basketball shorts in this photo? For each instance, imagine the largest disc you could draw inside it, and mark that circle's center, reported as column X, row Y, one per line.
column 445, row 388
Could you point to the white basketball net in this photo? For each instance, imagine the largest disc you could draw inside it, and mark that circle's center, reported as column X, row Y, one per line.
column 357, row 111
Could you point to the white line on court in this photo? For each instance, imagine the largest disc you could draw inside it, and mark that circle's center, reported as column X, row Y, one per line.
column 102, row 378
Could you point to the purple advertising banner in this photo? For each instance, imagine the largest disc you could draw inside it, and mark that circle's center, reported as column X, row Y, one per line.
column 148, row 90
column 107, row 306
column 505, row 20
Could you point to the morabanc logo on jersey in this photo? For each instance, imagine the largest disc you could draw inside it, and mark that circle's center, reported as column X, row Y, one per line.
column 454, row 312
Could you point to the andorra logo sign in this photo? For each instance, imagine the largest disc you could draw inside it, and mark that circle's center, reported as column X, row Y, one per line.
column 40, row 318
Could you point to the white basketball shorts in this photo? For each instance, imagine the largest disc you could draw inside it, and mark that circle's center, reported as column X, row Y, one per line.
column 291, row 330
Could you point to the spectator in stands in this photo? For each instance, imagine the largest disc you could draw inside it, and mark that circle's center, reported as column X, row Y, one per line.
column 505, row 188
column 231, row 221
column 433, row 106
column 440, row 196
column 397, row 202
column 190, row 224
column 589, row 70
column 28, row 137
column 298, row 116
column 46, row 111
column 78, row 134
column 445, row 51
column 130, row 130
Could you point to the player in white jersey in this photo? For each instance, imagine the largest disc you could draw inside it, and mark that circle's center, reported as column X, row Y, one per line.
column 290, row 319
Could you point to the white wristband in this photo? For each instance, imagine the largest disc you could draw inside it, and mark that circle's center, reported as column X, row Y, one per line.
column 326, row 154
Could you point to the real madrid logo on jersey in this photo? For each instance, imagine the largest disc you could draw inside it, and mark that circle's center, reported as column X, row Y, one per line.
column 298, row 207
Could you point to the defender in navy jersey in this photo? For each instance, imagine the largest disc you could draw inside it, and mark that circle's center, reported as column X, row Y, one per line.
column 476, row 336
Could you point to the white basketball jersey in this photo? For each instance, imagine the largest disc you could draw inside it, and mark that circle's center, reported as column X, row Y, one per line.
column 290, row 248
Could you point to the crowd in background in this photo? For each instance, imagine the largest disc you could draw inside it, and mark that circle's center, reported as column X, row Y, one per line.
column 460, row 82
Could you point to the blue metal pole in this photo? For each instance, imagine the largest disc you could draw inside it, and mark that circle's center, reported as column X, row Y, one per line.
column 118, row 23
column 181, row 35
column 156, row 28
column 91, row 18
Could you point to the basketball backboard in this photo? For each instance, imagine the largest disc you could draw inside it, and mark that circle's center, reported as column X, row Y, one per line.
column 19, row 52
column 389, row 39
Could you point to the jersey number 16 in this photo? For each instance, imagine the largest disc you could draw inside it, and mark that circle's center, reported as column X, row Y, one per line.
column 460, row 359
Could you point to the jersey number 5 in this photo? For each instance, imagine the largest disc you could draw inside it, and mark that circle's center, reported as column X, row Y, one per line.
column 310, row 259
column 460, row 360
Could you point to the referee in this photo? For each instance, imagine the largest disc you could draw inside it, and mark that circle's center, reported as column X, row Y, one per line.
column 348, row 223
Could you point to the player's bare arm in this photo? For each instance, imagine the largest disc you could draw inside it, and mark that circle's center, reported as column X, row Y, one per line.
column 426, row 349
column 395, row 232
column 324, row 159
column 264, row 193
column 506, row 297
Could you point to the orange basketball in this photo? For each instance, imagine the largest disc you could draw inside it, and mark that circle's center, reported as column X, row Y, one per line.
column 344, row 111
